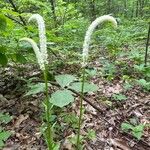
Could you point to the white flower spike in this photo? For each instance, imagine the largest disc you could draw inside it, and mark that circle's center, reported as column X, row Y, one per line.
column 37, row 52
column 42, row 35
column 89, row 32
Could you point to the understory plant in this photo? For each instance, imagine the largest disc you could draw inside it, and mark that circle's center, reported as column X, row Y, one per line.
column 4, row 135
column 136, row 130
column 85, row 52
column 42, row 59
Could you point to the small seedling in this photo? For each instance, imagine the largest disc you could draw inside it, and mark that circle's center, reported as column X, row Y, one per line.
column 119, row 97
column 137, row 130
column 4, row 135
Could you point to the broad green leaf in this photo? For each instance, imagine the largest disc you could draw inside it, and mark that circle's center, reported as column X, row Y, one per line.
column 37, row 88
column 2, row 49
column 61, row 98
column 142, row 82
column 138, row 135
column 3, row 59
column 91, row 134
column 138, row 131
column 3, row 22
column 64, row 80
column 20, row 58
column 91, row 72
column 126, row 126
column 139, row 128
column 1, row 144
column 5, row 118
column 119, row 97
column 4, row 135
column 88, row 87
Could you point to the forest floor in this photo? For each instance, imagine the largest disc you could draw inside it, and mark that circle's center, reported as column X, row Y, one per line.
column 104, row 115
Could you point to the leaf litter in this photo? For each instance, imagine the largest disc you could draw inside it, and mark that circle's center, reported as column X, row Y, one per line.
column 25, row 126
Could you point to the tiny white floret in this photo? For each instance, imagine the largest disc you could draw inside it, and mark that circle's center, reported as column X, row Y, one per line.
column 37, row 52
column 42, row 35
column 89, row 32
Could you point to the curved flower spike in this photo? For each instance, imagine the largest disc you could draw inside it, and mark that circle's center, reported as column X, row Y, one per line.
column 89, row 32
column 37, row 52
column 42, row 35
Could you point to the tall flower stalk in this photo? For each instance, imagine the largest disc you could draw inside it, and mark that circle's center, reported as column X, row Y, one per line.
column 42, row 59
column 85, row 53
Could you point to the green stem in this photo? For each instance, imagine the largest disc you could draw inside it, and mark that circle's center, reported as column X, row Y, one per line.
column 48, row 114
column 81, row 109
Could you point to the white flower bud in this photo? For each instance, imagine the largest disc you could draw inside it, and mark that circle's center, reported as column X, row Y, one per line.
column 39, row 57
column 89, row 32
column 42, row 35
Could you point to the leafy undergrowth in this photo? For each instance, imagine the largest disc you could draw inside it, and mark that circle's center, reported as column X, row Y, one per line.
column 118, row 111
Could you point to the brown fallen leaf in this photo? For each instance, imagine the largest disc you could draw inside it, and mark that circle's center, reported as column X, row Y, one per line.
column 119, row 143
column 20, row 119
column 67, row 145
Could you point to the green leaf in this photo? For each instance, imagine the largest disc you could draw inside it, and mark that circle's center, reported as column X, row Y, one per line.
column 61, row 98
column 119, row 97
column 3, row 22
column 4, row 135
column 37, row 88
column 20, row 58
column 138, row 135
column 3, row 59
column 126, row 126
column 91, row 134
column 139, row 128
column 56, row 146
column 64, row 80
column 1, row 144
column 3, row 49
column 5, row 118
column 88, row 87
column 91, row 72
column 142, row 82
column 138, row 131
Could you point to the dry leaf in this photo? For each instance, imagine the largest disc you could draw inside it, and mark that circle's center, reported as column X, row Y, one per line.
column 20, row 119
column 119, row 143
